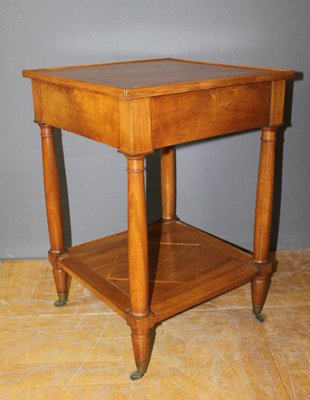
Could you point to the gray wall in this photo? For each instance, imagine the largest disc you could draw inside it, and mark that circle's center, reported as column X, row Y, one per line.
column 216, row 179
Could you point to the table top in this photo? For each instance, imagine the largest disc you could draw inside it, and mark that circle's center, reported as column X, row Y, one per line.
column 147, row 78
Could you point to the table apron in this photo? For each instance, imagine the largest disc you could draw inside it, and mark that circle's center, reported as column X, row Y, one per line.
column 184, row 117
column 90, row 114
column 138, row 126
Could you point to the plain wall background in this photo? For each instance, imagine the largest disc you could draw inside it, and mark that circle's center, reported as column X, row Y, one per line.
column 216, row 180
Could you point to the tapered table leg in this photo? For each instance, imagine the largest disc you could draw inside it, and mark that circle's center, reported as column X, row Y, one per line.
column 53, row 211
column 168, row 183
column 138, row 263
column 263, row 218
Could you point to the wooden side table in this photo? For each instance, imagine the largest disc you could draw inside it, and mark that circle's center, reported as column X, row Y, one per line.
column 150, row 273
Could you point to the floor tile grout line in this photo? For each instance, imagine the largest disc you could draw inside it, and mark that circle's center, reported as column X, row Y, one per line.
column 242, row 312
column 276, row 367
column 57, row 315
column 196, row 309
column 87, row 357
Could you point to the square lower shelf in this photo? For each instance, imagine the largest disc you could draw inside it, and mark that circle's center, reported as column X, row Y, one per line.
column 186, row 268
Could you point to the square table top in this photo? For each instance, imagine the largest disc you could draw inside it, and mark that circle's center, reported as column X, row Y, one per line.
column 147, row 78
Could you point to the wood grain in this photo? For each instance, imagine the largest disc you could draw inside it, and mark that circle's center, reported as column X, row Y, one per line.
column 277, row 103
column 88, row 114
column 264, row 199
column 53, row 205
column 151, row 273
column 135, row 127
column 137, row 239
column 168, row 183
column 37, row 100
column 197, row 115
column 52, row 190
column 186, row 267
column 263, row 217
column 155, row 77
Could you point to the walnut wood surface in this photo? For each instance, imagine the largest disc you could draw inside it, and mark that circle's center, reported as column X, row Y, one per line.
column 151, row 273
column 186, row 267
column 168, row 183
column 155, row 77
column 277, row 103
column 53, row 205
column 144, row 105
column 92, row 115
column 197, row 115
column 135, row 126
column 137, row 239
column 263, row 213
column 264, row 200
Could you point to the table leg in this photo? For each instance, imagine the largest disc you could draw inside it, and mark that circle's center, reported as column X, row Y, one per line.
column 138, row 263
column 263, row 218
column 53, row 211
column 168, row 183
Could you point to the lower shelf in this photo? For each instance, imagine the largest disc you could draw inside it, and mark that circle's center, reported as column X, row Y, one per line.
column 186, row 267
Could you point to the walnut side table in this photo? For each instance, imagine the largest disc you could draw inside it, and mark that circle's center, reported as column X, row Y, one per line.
column 152, row 272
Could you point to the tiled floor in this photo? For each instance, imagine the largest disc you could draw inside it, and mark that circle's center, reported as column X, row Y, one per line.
column 214, row 351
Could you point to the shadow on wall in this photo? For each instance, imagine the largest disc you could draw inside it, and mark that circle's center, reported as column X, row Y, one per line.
column 63, row 187
column 153, row 184
column 279, row 160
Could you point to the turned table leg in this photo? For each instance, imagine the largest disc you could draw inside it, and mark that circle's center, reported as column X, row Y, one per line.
column 138, row 264
column 263, row 218
column 53, row 211
column 168, row 183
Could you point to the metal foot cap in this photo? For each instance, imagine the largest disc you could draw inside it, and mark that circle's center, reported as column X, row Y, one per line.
column 136, row 375
column 60, row 303
column 62, row 300
column 260, row 317
column 257, row 310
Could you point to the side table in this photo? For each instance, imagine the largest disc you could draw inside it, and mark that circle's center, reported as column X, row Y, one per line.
column 152, row 272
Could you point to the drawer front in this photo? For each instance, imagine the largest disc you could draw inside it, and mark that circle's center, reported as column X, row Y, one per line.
column 90, row 114
column 180, row 118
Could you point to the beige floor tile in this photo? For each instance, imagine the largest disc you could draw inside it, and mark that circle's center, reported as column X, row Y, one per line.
column 14, row 393
column 288, row 336
column 137, row 391
column 214, row 351
column 199, row 354
column 291, row 281
column 27, row 288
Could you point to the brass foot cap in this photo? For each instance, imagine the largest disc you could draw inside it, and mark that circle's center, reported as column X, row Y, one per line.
column 59, row 303
column 257, row 310
column 136, row 375
column 260, row 317
column 62, row 300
